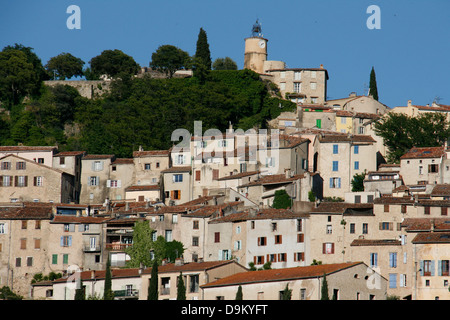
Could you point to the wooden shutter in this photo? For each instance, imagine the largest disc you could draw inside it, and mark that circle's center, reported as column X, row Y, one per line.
column 35, row 181
column 26, row 181
column 324, row 248
column 172, row 195
column 1, row 181
column 215, row 174
column 16, row 181
column 197, row 175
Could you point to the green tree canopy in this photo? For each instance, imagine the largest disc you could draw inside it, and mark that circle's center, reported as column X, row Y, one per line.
column 18, row 77
column 287, row 293
column 65, row 66
column 401, row 132
column 202, row 53
column 169, row 59
column 113, row 63
column 281, row 200
column 152, row 293
column 358, row 182
column 224, row 64
column 181, row 288
column 139, row 252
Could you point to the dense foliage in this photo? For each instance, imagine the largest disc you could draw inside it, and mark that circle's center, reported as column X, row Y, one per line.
column 137, row 111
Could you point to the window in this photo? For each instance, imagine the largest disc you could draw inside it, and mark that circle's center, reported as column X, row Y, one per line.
column 302, row 294
column 433, row 168
column 443, row 211
column 282, row 257
column 180, row 159
column 93, row 181
column 66, row 258
column 54, row 259
column 373, row 259
column 38, row 181
column 356, row 149
column 443, row 267
column 365, row 228
column 194, row 283
column 270, row 162
column 356, row 165
column 393, row 259
column 216, row 237
column 427, row 268
column 238, row 245
column 335, row 149
column 262, row 241
column 278, row 239
column 2, row 228
column 386, row 226
column 402, row 279
column 392, row 280
column 24, row 224
column 175, row 194
column 258, row 260
column 177, row 178
column 361, row 130
column 97, row 166
column 197, row 175
column 335, row 165
column 299, row 225
column 215, row 175
column 386, row 208
column 223, row 143
column 329, row 229
column 37, row 243
column 21, row 181
column 328, row 248
column 313, row 85
column 21, row 165
column 195, row 241
column 18, row 262
column 195, row 224
column 319, row 123
column 299, row 256
column 62, row 160
column 5, row 181
column 66, row 241
column 147, row 166
column 358, row 199
column 403, row 208
column 300, row 237
column 297, row 75
column 335, row 183
column 168, row 235
column 23, row 243
column 6, row 165
column 274, row 226
column 352, row 228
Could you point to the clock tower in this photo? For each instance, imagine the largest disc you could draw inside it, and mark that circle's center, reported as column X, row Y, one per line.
column 255, row 50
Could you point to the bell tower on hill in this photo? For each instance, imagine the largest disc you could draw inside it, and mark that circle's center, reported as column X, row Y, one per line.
column 255, row 50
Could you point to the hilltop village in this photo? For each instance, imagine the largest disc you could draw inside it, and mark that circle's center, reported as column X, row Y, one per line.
column 260, row 212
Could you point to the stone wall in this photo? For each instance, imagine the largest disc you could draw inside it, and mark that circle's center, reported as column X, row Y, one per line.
column 87, row 88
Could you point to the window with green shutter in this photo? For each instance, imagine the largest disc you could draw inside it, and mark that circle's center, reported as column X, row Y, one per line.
column 54, row 259
column 65, row 258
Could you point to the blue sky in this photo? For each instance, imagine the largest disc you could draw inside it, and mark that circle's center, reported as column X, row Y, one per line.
column 410, row 52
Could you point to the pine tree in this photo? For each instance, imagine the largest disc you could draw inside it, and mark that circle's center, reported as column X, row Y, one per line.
column 202, row 52
column 153, row 286
column 373, row 91
column 181, row 288
column 107, row 290
column 324, row 292
column 239, row 293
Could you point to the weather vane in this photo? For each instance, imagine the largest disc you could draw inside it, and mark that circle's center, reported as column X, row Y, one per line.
column 256, row 29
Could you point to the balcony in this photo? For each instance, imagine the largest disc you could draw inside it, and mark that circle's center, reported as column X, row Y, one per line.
column 117, row 246
column 126, row 294
column 88, row 249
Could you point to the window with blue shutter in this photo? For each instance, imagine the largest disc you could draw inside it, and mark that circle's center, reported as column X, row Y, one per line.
column 356, row 165
column 393, row 259
column 356, row 149
column 335, row 165
column 335, row 149
column 392, row 280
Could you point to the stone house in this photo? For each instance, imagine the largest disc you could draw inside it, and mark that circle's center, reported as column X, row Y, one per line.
column 195, row 274
column 24, row 180
column 177, row 185
column 40, row 154
column 70, row 162
column 121, row 176
column 277, row 236
column 346, row 281
column 95, row 170
column 148, row 166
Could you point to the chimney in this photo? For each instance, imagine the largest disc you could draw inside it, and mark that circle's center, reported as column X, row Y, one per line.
column 93, row 274
column 432, row 225
column 127, row 206
column 321, row 66
column 179, row 262
column 287, row 173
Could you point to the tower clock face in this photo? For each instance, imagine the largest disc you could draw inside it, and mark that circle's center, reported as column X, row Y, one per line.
column 262, row 43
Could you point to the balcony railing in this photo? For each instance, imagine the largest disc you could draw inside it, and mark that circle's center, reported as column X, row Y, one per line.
column 117, row 246
column 126, row 294
column 92, row 249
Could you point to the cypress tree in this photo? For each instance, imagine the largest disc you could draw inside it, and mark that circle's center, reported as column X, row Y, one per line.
column 153, row 286
column 107, row 290
column 287, row 293
column 239, row 295
column 181, row 288
column 79, row 291
column 373, row 91
column 202, row 53
column 324, row 292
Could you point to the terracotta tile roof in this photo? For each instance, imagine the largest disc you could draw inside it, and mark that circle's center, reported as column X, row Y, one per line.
column 441, row 190
column 272, row 214
column 211, row 210
column 432, row 237
column 76, row 220
column 239, row 175
column 273, row 179
column 429, row 152
column 189, row 266
column 98, row 156
column 375, row 242
column 344, row 113
column 143, row 188
column 355, row 138
column 393, row 200
column 343, row 208
column 69, row 153
column 100, row 274
column 122, row 161
column 26, row 148
column 426, row 224
column 202, row 200
column 178, row 169
column 281, row 274
column 35, row 163
column 150, row 153
column 26, row 212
